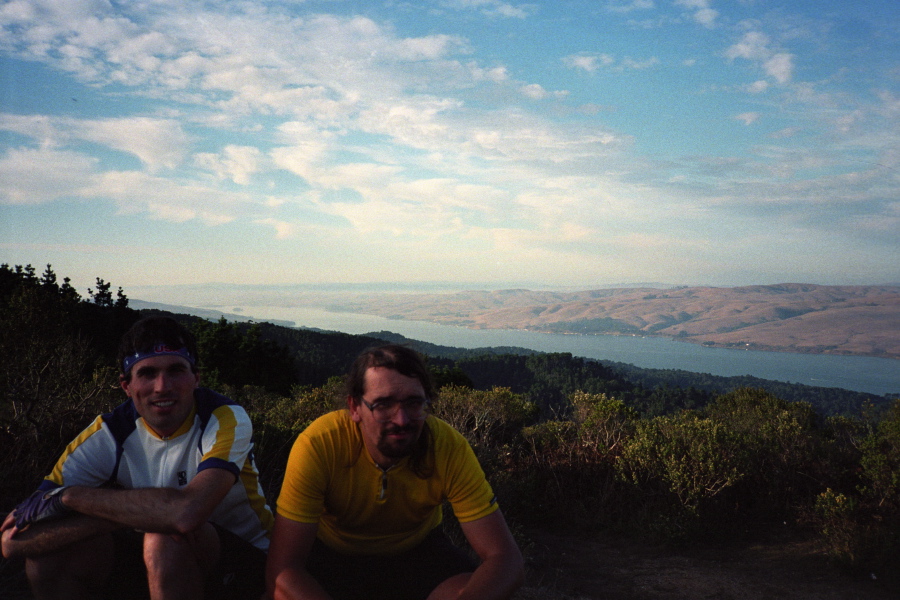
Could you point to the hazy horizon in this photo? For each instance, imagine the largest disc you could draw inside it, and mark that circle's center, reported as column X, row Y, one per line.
column 486, row 143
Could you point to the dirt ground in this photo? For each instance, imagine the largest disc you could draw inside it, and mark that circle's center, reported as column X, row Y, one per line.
column 578, row 566
column 574, row 566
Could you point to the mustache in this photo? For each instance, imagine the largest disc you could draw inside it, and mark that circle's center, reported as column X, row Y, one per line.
column 399, row 429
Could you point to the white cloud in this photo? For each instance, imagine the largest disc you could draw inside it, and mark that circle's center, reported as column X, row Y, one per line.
column 158, row 143
column 780, row 66
column 493, row 8
column 411, row 137
column 706, row 17
column 631, row 6
column 237, row 163
column 594, row 62
column 693, row 4
column 41, row 128
column 787, row 132
column 495, row 74
column 534, row 91
column 755, row 46
column 283, row 229
column 168, row 200
column 588, row 62
column 630, row 63
column 38, row 176
column 537, row 92
column 703, row 14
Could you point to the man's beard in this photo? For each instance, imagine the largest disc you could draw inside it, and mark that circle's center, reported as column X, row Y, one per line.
column 395, row 450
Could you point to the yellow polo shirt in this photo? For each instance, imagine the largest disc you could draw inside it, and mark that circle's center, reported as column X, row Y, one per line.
column 361, row 509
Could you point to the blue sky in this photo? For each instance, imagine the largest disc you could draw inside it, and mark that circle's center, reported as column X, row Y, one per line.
column 556, row 143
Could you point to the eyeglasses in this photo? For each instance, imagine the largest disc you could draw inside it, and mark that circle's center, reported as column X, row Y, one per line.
column 416, row 409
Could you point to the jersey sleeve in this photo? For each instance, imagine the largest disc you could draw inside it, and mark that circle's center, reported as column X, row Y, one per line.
column 468, row 490
column 227, row 440
column 302, row 495
column 88, row 460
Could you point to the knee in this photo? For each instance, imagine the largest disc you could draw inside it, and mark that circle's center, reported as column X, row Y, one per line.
column 197, row 551
column 84, row 566
column 45, row 569
column 164, row 552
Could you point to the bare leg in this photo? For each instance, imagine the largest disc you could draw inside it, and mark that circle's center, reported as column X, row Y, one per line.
column 177, row 565
column 77, row 571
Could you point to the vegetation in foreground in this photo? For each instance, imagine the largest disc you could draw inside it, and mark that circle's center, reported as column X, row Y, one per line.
column 564, row 442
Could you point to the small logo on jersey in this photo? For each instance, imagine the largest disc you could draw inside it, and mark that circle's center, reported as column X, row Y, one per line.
column 182, row 477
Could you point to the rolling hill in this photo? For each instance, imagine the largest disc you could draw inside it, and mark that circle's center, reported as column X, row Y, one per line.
column 791, row 317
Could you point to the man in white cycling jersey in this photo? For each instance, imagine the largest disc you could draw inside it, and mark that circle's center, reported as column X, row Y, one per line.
column 159, row 497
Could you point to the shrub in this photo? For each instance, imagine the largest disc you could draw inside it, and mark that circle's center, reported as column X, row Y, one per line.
column 839, row 524
column 876, row 522
column 278, row 420
column 679, row 463
column 50, row 386
column 489, row 419
column 604, row 424
column 569, row 465
column 786, row 460
column 880, row 462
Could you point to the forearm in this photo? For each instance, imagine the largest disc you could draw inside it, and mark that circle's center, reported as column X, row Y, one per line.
column 43, row 538
column 495, row 579
column 158, row 510
column 297, row 584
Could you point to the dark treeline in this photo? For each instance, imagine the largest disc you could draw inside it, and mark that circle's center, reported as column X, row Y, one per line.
column 549, row 379
column 663, row 453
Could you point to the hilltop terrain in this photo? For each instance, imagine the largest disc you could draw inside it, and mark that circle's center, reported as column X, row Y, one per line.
column 621, row 483
column 857, row 320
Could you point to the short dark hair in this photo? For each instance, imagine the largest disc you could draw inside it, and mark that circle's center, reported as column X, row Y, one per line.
column 153, row 330
column 390, row 356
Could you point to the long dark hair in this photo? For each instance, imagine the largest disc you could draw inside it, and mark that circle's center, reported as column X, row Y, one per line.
column 406, row 362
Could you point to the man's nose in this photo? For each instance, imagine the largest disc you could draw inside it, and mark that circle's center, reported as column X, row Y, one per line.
column 400, row 417
column 162, row 382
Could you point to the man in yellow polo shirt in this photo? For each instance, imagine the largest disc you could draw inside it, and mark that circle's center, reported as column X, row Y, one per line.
column 359, row 513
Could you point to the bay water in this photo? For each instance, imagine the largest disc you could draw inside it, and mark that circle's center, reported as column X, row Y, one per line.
column 863, row 374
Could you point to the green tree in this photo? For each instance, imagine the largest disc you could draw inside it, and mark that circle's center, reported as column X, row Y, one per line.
column 237, row 355
column 51, row 383
column 102, row 296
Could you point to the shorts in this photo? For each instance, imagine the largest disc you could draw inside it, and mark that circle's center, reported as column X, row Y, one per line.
column 411, row 575
column 239, row 574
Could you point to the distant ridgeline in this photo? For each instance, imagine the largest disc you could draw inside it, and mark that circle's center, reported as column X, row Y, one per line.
column 277, row 358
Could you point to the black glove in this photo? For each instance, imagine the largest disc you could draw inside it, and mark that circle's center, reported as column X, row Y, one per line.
column 40, row 506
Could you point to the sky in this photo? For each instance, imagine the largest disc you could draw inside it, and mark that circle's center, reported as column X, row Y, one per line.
column 563, row 143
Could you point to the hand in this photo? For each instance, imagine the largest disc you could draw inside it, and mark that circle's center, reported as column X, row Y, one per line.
column 9, row 521
column 40, row 506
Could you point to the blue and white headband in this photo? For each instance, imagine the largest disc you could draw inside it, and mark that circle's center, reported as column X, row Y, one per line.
column 157, row 350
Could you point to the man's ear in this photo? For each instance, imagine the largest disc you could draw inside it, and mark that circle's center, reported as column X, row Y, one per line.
column 353, row 407
column 124, row 383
